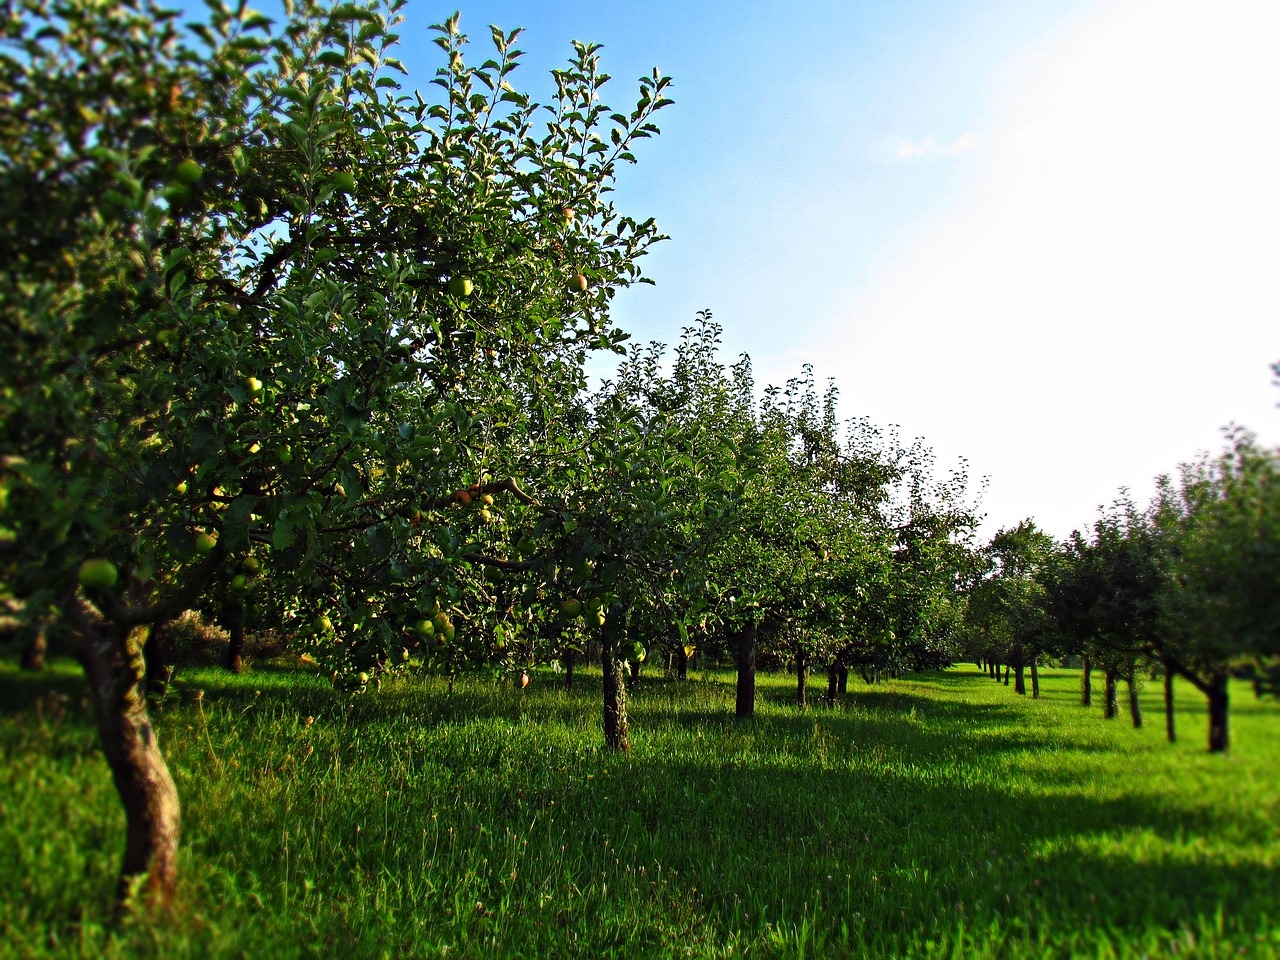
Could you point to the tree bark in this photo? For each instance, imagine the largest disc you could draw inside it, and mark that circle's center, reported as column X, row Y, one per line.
column 35, row 649
column 1168, row 705
column 844, row 679
column 113, row 661
column 235, row 645
column 1111, row 704
column 802, row 676
column 615, row 682
column 1007, row 669
column 567, row 662
column 833, row 683
column 1035, row 679
column 682, row 663
column 1020, row 679
column 156, row 654
column 1135, row 710
column 1217, row 694
column 1086, row 684
column 745, row 654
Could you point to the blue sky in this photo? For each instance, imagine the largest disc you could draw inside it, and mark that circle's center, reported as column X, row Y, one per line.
column 1043, row 236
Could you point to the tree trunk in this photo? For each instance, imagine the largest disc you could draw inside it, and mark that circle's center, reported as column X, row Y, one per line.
column 682, row 663
column 1086, row 684
column 1007, row 669
column 1020, row 679
column 802, row 676
column 567, row 662
column 844, row 679
column 745, row 655
column 615, row 682
column 1035, row 679
column 833, row 684
column 1217, row 693
column 1168, row 705
column 34, row 650
column 1111, row 704
column 113, row 661
column 1135, row 710
column 235, row 646
column 156, row 654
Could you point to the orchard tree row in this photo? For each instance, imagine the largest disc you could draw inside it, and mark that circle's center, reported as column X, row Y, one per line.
column 301, row 349
column 1188, row 587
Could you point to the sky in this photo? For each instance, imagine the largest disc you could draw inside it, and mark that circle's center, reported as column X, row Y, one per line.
column 1044, row 237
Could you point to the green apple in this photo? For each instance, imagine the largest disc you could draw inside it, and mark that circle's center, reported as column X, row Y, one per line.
column 253, row 385
column 460, row 286
column 323, row 624
column 425, row 628
column 205, row 543
column 578, row 283
column 98, row 574
column 189, row 172
column 345, row 181
column 571, row 607
column 180, row 488
column 251, row 564
column 239, row 582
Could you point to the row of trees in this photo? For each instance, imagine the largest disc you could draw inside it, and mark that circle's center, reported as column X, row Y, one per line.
column 1187, row 587
column 304, row 351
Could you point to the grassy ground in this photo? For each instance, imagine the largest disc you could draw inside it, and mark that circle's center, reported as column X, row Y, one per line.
column 941, row 816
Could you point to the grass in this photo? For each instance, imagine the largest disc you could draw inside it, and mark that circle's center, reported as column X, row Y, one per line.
column 940, row 817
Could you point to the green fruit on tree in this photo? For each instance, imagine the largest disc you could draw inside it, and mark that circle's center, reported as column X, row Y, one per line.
column 571, row 607
column 344, row 180
column 239, row 582
column 97, row 574
column 637, row 653
column 425, row 628
column 578, row 283
column 323, row 624
column 188, row 172
column 253, row 385
column 449, row 633
column 180, row 487
column 460, row 286
column 251, row 564
column 205, row 543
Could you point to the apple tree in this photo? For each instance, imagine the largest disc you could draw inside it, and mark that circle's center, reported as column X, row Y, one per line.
column 279, row 325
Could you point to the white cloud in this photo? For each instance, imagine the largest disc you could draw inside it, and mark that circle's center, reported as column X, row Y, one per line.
column 929, row 146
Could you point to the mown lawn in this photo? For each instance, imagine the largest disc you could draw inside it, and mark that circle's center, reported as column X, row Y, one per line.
column 938, row 816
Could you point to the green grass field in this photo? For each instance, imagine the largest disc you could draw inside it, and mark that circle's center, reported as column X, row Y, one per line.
column 940, row 816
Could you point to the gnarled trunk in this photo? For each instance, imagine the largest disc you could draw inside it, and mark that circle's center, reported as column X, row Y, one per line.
column 615, row 682
column 113, row 661
column 745, row 655
column 235, row 643
column 35, row 648
column 1111, row 703
column 1217, row 694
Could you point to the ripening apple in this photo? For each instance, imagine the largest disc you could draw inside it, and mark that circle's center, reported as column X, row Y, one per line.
column 180, row 488
column 98, row 574
column 425, row 628
column 251, row 565
column 188, row 172
column 578, row 283
column 323, row 624
column 205, row 542
column 571, row 607
column 345, row 181
column 253, row 385
column 460, row 286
